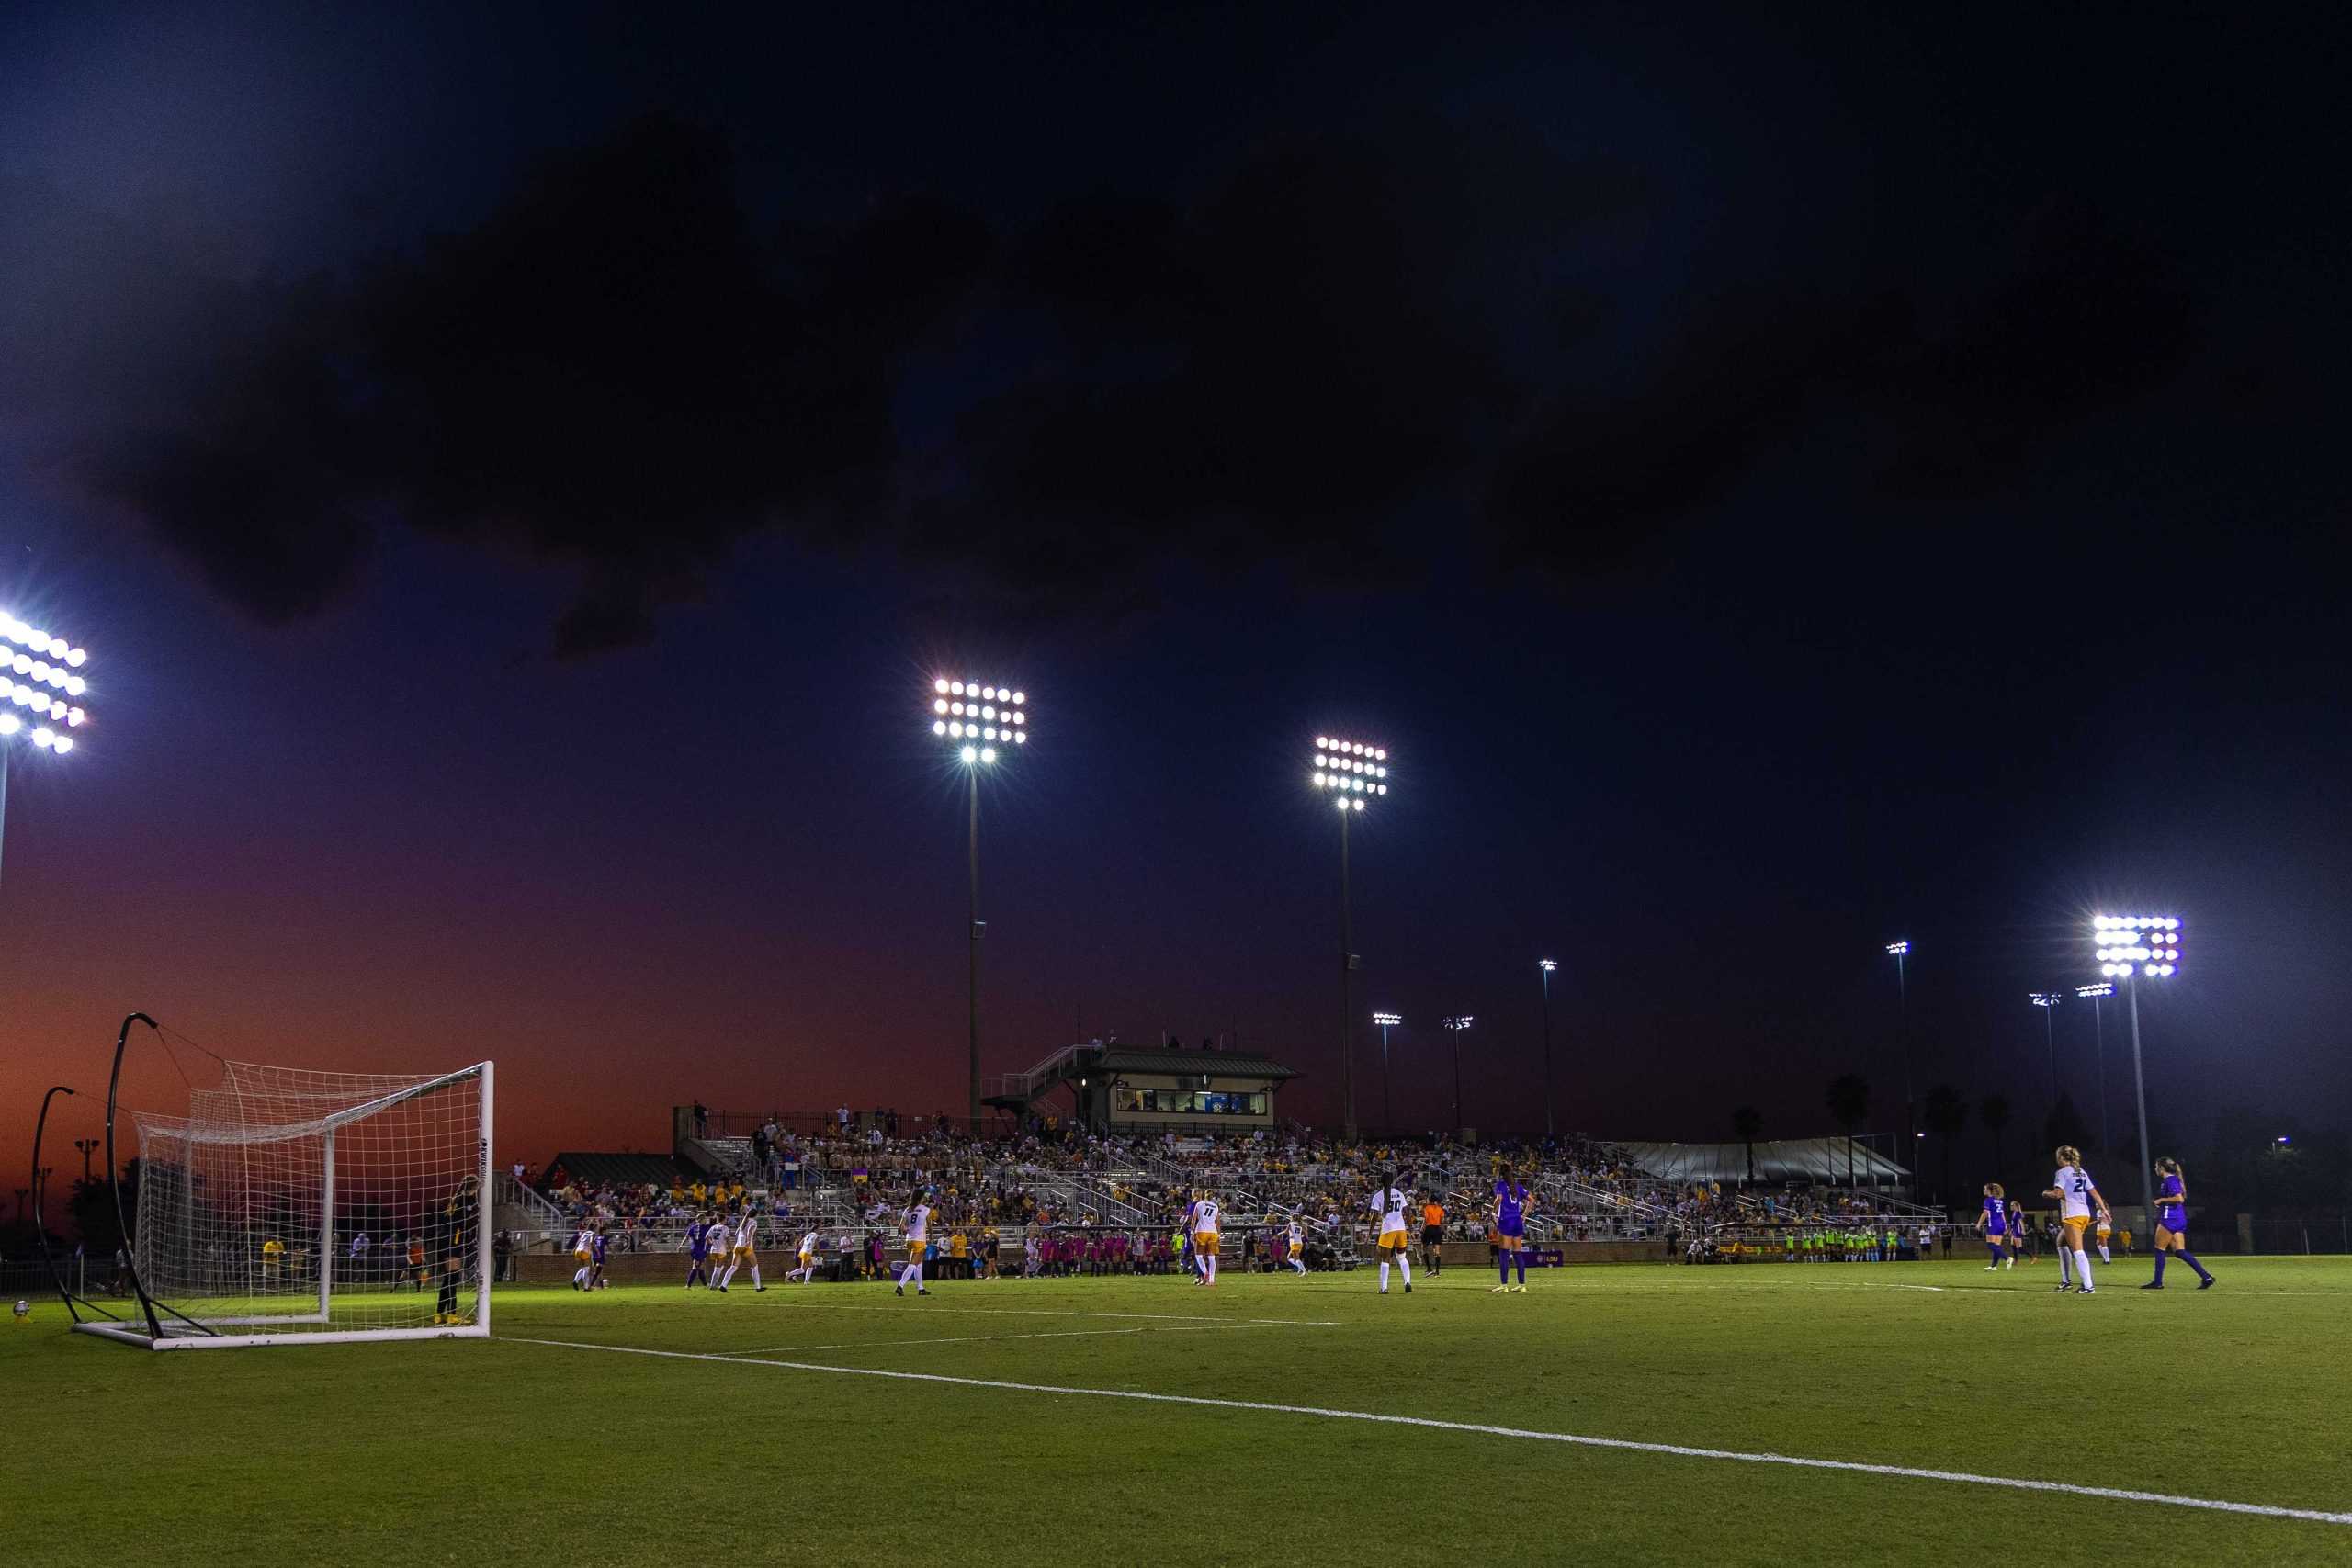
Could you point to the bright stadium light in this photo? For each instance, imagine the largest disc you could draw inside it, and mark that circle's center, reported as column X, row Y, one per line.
column 1345, row 768
column 973, row 737
column 2132, row 948
column 26, row 682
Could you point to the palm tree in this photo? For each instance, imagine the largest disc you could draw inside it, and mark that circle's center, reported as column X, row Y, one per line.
column 1849, row 1101
column 1746, row 1123
column 1995, row 1111
column 1945, row 1113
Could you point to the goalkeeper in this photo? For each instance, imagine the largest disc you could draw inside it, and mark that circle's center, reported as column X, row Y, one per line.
column 458, row 1218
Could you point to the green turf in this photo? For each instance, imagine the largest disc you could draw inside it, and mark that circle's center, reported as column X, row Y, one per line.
column 506, row 1451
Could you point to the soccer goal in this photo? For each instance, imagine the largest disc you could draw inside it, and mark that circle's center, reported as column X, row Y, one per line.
column 296, row 1207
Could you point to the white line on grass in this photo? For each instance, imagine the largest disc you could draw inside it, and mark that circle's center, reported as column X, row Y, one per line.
column 2111, row 1493
column 1065, row 1312
column 985, row 1338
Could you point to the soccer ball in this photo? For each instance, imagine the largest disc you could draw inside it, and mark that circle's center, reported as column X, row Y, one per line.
column 24, row 1311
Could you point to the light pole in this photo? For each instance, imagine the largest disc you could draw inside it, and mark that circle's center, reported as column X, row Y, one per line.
column 1352, row 772
column 1455, row 1026
column 2130, row 948
column 981, row 723
column 2046, row 1001
column 1388, row 1020
column 40, row 676
column 1547, row 965
column 87, row 1146
column 2098, row 1049
column 1899, row 951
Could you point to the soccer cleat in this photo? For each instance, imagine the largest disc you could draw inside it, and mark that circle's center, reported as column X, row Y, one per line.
column 1497, row 1290
column 1518, row 1289
column 921, row 1291
column 2086, row 1291
column 1408, row 1287
column 757, row 1289
column 2152, row 1285
column 2207, row 1283
column 899, row 1291
column 2063, row 1288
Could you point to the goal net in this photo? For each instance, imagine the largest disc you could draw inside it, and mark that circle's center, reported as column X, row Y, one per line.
column 291, row 1206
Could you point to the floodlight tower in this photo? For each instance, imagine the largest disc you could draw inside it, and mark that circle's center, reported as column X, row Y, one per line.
column 40, row 674
column 2132, row 948
column 1455, row 1026
column 1546, row 966
column 2092, row 994
column 982, row 723
column 2046, row 1001
column 1899, row 951
column 1388, row 1020
column 1352, row 772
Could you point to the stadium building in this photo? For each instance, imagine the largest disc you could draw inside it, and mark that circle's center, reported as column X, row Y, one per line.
column 1129, row 1089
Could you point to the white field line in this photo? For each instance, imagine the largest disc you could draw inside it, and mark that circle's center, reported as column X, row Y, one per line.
column 1063, row 1312
column 983, row 1338
column 2109, row 1494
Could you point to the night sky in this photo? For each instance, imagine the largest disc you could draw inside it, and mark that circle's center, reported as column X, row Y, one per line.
column 1775, row 485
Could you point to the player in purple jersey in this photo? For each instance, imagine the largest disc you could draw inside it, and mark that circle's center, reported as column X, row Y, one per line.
column 1992, row 1224
column 2172, row 1226
column 596, row 1258
column 698, row 1249
column 1511, row 1202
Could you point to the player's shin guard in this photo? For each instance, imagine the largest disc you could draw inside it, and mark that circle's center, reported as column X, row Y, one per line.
column 755, row 1273
column 2083, row 1267
column 1209, row 1266
column 1502, row 1265
column 2103, row 1256
column 2190, row 1258
column 1406, row 1265
column 1384, row 1276
column 1519, row 1261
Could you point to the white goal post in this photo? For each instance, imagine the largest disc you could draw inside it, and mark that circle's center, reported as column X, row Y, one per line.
column 295, row 1207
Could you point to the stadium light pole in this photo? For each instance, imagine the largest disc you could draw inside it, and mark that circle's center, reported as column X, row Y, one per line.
column 1388, row 1020
column 1351, row 773
column 1546, row 966
column 2130, row 948
column 1455, row 1026
column 2098, row 1049
column 1899, row 951
column 41, row 676
column 2046, row 1001
column 981, row 723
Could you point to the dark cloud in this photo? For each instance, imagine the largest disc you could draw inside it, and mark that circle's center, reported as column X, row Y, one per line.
column 1322, row 349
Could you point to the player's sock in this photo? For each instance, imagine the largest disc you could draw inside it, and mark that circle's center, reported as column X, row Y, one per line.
column 2190, row 1258
column 2103, row 1257
column 1212, row 1263
column 2160, row 1267
column 2066, row 1274
column 1406, row 1264
column 916, row 1271
column 1502, row 1261
column 755, row 1274
column 1518, row 1259
column 731, row 1276
column 1384, row 1276
column 2083, row 1267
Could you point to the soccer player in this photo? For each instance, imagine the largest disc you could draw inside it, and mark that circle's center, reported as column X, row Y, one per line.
column 2106, row 1229
column 918, row 1221
column 458, row 1216
column 746, row 1254
column 699, row 1250
column 273, row 1258
column 596, row 1280
column 2020, row 1233
column 2172, row 1226
column 2078, row 1198
column 416, row 1260
column 1992, row 1224
column 581, row 1255
column 1204, row 1223
column 1511, row 1227
column 1388, row 1205
column 1294, row 1245
column 721, row 1245
column 806, row 1272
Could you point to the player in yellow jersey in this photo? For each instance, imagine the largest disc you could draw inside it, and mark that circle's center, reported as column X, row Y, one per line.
column 1206, row 1219
column 747, row 1251
column 273, row 1259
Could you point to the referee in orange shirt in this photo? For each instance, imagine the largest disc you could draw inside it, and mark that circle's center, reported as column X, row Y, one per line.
column 1432, row 1234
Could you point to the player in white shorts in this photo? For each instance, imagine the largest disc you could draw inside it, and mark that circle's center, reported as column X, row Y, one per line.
column 747, row 1253
column 721, row 1242
column 1295, row 1245
column 1388, row 1205
column 917, row 1240
column 581, row 1256
column 806, row 1272
column 1205, row 1237
column 2078, row 1202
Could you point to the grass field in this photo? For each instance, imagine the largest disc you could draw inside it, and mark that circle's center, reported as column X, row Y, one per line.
column 759, row 1432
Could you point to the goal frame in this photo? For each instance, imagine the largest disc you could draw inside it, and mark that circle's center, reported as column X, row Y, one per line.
column 185, row 1333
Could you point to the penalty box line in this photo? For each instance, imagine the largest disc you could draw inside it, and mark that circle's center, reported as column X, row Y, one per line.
column 1914, row 1473
column 993, row 1338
